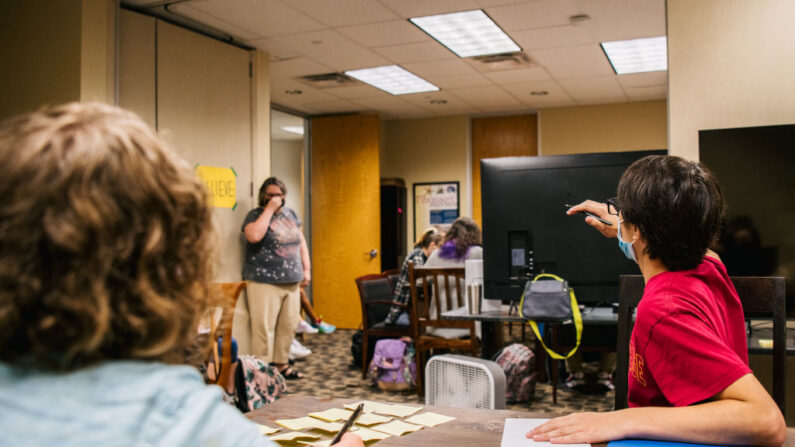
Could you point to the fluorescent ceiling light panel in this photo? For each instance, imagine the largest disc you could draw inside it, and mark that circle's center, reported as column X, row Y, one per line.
column 637, row 55
column 294, row 129
column 393, row 79
column 468, row 33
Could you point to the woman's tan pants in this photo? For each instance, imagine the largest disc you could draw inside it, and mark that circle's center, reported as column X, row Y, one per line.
column 274, row 310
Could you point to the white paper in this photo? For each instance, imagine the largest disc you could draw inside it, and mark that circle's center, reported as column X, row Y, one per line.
column 514, row 431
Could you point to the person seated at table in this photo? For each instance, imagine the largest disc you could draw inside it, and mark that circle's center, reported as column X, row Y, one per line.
column 106, row 249
column 461, row 243
column 689, row 378
column 425, row 245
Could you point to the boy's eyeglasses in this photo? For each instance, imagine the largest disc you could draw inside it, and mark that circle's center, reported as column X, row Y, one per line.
column 613, row 206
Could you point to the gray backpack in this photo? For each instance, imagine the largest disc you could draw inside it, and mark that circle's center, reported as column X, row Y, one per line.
column 550, row 301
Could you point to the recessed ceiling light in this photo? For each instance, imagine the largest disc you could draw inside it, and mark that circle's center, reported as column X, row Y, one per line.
column 393, row 79
column 467, row 33
column 637, row 55
column 294, row 129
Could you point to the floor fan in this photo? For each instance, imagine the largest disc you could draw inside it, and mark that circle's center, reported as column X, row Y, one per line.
column 464, row 382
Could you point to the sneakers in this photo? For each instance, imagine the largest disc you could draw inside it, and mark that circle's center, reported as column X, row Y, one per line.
column 306, row 328
column 575, row 380
column 605, row 380
column 298, row 351
column 325, row 328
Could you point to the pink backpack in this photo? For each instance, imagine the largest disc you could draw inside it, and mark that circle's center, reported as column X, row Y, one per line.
column 519, row 364
column 393, row 367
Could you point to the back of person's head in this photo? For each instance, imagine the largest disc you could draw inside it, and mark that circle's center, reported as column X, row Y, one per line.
column 428, row 237
column 263, row 189
column 463, row 233
column 105, row 241
column 676, row 204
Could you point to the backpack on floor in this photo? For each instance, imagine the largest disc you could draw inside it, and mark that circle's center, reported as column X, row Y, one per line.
column 393, row 367
column 519, row 364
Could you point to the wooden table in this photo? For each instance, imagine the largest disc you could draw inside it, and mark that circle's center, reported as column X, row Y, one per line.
column 471, row 428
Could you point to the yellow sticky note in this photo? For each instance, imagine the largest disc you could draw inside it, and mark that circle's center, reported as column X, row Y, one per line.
column 429, row 419
column 369, row 406
column 398, row 410
column 328, row 427
column 323, row 443
column 370, row 435
column 293, row 436
column 332, row 414
column 298, row 423
column 372, row 419
column 397, row 428
column 265, row 430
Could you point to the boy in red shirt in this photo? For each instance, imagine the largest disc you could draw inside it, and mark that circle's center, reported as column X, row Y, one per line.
column 688, row 377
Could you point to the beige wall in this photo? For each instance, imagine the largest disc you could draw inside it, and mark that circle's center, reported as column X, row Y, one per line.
column 603, row 128
column 287, row 163
column 427, row 150
column 40, row 54
column 730, row 65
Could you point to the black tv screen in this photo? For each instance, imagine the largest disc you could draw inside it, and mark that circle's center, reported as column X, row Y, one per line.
column 526, row 230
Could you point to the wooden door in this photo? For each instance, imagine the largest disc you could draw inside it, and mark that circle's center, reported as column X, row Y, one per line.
column 500, row 136
column 346, row 224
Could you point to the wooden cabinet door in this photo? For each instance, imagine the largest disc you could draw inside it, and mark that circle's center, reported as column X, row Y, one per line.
column 346, row 224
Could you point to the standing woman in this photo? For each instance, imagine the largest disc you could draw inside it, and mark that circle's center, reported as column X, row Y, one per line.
column 276, row 265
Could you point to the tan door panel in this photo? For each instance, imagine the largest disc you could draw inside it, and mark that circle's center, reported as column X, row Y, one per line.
column 501, row 136
column 346, row 222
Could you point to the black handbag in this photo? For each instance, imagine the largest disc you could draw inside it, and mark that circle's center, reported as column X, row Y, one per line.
column 550, row 301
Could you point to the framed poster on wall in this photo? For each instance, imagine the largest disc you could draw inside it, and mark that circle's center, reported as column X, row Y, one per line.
column 435, row 204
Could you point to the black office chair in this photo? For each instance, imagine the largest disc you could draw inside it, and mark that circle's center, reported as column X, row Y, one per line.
column 761, row 297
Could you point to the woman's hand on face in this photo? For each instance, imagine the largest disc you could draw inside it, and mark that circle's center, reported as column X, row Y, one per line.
column 597, row 209
column 274, row 203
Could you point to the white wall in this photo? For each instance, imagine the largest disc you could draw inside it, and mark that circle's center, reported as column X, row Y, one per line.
column 287, row 164
column 730, row 64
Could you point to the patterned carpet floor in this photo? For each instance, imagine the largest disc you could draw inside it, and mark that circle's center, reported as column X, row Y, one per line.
column 329, row 372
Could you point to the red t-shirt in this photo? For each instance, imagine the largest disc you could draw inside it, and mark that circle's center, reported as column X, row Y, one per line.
column 689, row 341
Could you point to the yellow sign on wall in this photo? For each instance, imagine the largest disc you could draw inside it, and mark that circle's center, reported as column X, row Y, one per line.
column 221, row 185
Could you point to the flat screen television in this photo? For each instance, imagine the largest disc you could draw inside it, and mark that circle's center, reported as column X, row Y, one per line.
column 526, row 230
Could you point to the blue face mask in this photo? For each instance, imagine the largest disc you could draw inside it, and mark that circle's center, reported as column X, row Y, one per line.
column 626, row 247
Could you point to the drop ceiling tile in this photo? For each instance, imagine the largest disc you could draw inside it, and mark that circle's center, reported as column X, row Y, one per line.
column 574, row 62
column 462, row 81
column 650, row 79
column 528, row 15
column 331, row 48
column 596, row 88
column 336, row 13
column 279, row 86
column 488, row 98
column 419, row 8
column 646, row 93
column 276, row 51
column 517, row 76
column 624, row 19
column 393, row 32
column 415, row 52
column 261, row 17
column 297, row 67
column 596, row 101
column 553, row 37
column 354, row 92
column 555, row 97
column 220, row 24
column 487, row 3
column 441, row 103
column 438, row 69
column 336, row 106
column 393, row 107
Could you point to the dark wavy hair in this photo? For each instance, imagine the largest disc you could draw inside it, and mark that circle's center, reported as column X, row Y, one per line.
column 463, row 234
column 676, row 204
column 106, row 241
column 270, row 181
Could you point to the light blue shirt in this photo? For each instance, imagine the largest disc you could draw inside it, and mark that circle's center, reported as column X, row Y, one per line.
column 119, row 403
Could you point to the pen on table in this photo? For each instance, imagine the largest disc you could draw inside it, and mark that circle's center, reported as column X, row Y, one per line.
column 590, row 214
column 356, row 413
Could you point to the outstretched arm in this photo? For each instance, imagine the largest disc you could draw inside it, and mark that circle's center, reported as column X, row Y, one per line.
column 597, row 209
column 742, row 414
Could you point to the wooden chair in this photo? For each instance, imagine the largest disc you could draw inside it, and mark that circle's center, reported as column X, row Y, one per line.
column 761, row 297
column 375, row 296
column 391, row 276
column 221, row 307
column 442, row 289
